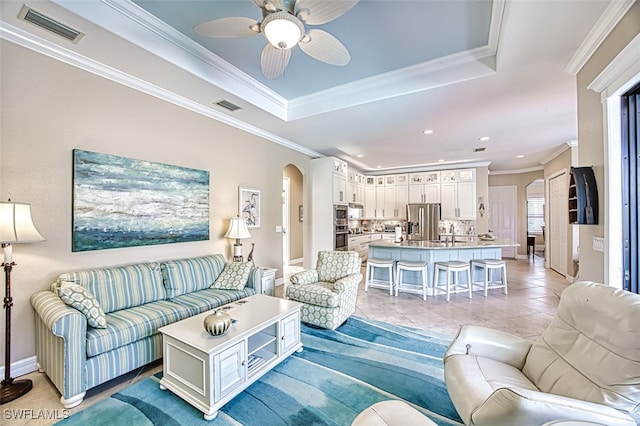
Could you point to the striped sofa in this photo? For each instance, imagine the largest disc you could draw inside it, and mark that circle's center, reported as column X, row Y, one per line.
column 136, row 300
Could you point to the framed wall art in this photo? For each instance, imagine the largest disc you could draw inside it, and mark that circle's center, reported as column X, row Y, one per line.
column 249, row 206
column 124, row 202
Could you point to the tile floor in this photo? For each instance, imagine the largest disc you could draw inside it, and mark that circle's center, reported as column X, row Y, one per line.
column 526, row 311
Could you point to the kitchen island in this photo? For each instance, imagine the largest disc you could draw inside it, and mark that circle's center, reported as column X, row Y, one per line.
column 434, row 251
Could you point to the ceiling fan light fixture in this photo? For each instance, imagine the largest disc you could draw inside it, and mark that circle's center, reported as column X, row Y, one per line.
column 282, row 30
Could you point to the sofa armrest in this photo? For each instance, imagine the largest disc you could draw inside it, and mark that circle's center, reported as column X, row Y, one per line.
column 490, row 343
column 307, row 276
column 518, row 406
column 255, row 276
column 350, row 282
column 61, row 351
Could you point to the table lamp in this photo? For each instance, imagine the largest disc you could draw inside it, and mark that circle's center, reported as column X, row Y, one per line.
column 238, row 230
column 16, row 227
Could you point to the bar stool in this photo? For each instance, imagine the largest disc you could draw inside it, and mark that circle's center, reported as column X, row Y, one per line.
column 373, row 263
column 452, row 267
column 403, row 266
column 488, row 266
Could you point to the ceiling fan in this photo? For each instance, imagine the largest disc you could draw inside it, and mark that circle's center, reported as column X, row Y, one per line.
column 283, row 26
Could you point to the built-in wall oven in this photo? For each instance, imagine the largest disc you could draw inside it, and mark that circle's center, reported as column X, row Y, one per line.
column 340, row 228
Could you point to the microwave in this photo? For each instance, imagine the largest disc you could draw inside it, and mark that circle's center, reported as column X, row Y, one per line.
column 355, row 211
column 340, row 213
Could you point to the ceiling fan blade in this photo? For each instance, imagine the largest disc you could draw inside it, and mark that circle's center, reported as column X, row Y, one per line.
column 325, row 47
column 269, row 5
column 274, row 61
column 317, row 12
column 236, row 26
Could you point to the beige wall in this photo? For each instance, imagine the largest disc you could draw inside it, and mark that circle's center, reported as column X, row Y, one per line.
column 520, row 180
column 295, row 201
column 591, row 135
column 50, row 108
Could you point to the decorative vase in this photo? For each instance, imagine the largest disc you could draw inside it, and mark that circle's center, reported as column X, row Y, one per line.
column 217, row 323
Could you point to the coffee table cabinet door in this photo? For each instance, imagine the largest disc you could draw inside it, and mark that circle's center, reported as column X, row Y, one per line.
column 230, row 370
column 289, row 332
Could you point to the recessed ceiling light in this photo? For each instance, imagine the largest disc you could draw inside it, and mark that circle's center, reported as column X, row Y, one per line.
column 484, row 139
column 520, row 156
column 378, row 167
column 428, row 132
column 360, row 155
column 440, row 161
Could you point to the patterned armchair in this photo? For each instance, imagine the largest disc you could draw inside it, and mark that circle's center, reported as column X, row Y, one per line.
column 329, row 292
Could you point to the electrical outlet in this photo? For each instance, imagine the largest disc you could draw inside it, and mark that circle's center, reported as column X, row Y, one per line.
column 278, row 228
column 598, row 244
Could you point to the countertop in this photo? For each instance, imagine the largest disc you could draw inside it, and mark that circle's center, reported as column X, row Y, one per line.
column 442, row 246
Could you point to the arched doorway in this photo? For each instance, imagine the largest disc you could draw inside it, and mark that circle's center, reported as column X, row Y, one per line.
column 292, row 219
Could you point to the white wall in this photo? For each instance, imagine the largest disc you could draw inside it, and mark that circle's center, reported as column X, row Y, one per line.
column 50, row 108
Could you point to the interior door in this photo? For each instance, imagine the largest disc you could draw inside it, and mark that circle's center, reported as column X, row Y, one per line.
column 558, row 223
column 503, row 214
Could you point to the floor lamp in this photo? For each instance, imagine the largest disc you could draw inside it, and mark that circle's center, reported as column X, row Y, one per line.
column 16, row 227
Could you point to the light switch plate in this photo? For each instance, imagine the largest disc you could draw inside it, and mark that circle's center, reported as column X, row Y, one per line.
column 278, row 228
column 598, row 244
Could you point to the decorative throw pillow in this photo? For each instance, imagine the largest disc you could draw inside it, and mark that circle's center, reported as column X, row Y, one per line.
column 81, row 299
column 234, row 276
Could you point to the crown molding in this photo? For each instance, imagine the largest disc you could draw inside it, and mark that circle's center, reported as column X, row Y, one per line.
column 562, row 148
column 603, row 27
column 620, row 72
column 451, row 165
column 516, row 171
column 52, row 50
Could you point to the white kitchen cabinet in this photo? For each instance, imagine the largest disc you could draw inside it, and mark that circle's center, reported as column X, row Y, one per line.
column 380, row 202
column 402, row 198
column 424, row 193
column 370, row 202
column 458, row 201
column 360, row 244
column 339, row 188
column 462, row 175
column 424, row 177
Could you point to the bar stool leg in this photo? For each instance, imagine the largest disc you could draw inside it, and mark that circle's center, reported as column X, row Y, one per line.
column 424, row 282
column 469, row 284
column 504, row 280
column 366, row 279
column 487, row 277
column 449, row 284
column 393, row 284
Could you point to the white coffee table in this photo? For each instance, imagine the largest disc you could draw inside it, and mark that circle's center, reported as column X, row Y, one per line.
column 208, row 371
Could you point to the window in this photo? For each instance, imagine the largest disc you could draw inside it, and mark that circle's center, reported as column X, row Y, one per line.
column 535, row 215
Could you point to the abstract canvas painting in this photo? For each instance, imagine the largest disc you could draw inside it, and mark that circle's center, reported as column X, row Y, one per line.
column 124, row 202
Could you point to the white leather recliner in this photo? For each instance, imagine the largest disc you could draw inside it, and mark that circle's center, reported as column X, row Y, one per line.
column 585, row 366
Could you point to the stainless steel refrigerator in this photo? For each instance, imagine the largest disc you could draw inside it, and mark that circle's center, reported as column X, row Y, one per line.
column 422, row 222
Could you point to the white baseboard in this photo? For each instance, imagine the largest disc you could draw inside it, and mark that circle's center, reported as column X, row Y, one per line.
column 22, row 367
column 279, row 281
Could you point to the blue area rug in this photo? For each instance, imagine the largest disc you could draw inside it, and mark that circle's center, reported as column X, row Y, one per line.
column 336, row 376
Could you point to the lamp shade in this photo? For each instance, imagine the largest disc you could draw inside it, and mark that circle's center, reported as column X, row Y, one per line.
column 282, row 29
column 237, row 229
column 16, row 225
